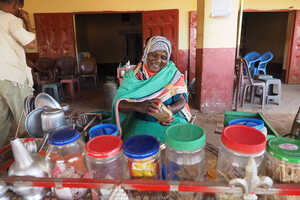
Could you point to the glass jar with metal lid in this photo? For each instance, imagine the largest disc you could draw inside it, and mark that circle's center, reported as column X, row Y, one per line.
column 142, row 157
column 282, row 162
column 185, row 153
column 66, row 152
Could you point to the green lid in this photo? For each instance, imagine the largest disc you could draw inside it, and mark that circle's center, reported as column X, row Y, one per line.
column 185, row 137
column 285, row 149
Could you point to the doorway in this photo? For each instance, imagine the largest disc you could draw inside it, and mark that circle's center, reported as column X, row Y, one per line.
column 268, row 31
column 112, row 38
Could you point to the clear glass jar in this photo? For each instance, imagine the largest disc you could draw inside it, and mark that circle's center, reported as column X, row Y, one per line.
column 282, row 163
column 66, row 154
column 104, row 157
column 185, row 156
column 232, row 164
column 104, row 161
column 185, row 152
column 238, row 144
column 141, row 154
column 185, row 165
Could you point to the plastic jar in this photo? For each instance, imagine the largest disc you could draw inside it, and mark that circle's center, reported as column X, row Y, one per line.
column 104, row 160
column 142, row 157
column 103, row 129
column 185, row 153
column 238, row 144
column 282, row 163
column 66, row 152
column 254, row 123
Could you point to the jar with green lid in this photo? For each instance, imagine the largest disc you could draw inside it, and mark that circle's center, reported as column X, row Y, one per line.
column 282, row 163
column 185, row 152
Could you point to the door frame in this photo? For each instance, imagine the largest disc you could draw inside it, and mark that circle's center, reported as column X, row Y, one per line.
column 291, row 36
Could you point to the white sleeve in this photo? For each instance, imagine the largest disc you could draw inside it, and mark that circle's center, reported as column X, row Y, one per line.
column 19, row 33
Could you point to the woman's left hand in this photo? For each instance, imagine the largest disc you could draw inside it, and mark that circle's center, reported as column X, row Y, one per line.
column 167, row 122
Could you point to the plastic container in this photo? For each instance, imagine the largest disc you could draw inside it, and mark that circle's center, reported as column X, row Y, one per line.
column 238, row 144
column 185, row 152
column 142, row 157
column 254, row 123
column 282, row 162
column 103, row 129
column 104, row 160
column 66, row 152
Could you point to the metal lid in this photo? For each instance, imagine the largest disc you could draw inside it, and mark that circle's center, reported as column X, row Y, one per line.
column 64, row 136
column 141, row 146
column 286, row 149
column 185, row 137
column 103, row 146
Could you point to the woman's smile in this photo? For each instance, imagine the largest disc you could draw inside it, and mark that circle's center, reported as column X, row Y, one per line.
column 157, row 60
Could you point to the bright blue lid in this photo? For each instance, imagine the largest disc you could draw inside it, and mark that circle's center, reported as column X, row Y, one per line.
column 140, row 146
column 64, row 136
column 254, row 123
column 103, row 129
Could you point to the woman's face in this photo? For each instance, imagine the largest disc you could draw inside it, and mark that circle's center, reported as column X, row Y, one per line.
column 157, row 60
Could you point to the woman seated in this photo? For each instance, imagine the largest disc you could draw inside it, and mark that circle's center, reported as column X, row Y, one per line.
column 154, row 80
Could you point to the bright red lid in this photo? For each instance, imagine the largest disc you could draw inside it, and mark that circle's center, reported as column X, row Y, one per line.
column 103, row 146
column 244, row 139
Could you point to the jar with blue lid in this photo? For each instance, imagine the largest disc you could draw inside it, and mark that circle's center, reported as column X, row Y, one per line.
column 252, row 122
column 66, row 154
column 142, row 157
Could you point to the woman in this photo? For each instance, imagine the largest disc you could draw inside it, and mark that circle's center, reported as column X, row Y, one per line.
column 154, row 80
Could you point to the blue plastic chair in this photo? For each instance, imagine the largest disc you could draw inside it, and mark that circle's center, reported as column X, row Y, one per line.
column 252, row 58
column 263, row 62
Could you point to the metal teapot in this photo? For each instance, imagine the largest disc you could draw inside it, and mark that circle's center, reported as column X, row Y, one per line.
column 25, row 165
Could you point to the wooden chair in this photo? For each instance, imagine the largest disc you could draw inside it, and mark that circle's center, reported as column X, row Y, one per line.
column 88, row 69
column 43, row 71
column 66, row 69
column 247, row 83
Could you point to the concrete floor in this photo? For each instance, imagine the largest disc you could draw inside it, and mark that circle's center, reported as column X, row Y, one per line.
column 280, row 116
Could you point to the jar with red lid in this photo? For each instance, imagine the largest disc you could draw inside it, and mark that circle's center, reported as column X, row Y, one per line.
column 238, row 144
column 104, row 160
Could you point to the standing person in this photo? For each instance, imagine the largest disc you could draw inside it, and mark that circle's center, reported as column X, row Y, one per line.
column 15, row 76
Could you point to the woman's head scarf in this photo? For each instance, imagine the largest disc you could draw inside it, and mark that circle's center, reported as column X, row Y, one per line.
column 157, row 43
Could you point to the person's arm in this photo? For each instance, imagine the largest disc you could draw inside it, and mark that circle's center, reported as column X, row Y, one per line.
column 146, row 107
column 178, row 105
column 20, row 33
column 25, row 17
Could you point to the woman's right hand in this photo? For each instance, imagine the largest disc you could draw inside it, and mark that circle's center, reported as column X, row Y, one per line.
column 149, row 106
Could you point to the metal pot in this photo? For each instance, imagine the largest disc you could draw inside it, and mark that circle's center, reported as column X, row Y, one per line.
column 52, row 119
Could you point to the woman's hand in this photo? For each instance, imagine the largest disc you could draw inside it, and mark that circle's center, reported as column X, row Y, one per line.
column 168, row 122
column 149, row 106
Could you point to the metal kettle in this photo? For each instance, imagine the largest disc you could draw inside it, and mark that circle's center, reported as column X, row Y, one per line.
column 25, row 165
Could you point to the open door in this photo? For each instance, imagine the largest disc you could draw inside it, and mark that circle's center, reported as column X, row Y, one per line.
column 293, row 69
column 55, row 34
column 164, row 23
